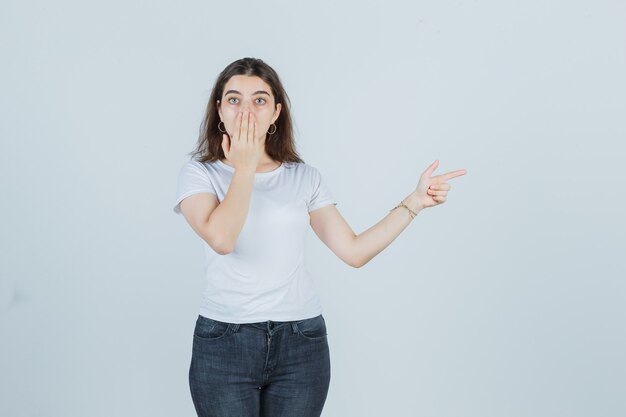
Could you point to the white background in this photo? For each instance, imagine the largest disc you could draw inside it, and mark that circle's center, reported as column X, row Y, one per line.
column 507, row 300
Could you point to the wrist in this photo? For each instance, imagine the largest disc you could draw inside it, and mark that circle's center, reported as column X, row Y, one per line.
column 413, row 202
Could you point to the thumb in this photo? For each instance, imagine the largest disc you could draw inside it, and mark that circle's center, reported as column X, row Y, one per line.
column 429, row 171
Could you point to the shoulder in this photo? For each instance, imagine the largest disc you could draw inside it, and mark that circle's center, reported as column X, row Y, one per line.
column 302, row 168
column 304, row 173
column 193, row 164
column 198, row 167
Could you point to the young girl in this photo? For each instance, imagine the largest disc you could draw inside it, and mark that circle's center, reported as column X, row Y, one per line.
column 260, row 345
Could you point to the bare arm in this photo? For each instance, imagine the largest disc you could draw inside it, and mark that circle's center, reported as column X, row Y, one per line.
column 227, row 220
column 220, row 224
column 357, row 250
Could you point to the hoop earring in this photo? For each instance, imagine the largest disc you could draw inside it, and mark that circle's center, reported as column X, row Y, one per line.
column 218, row 127
column 275, row 129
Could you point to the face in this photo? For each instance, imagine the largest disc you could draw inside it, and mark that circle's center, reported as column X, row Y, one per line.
column 248, row 93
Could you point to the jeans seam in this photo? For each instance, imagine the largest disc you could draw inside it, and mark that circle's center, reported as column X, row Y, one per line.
column 215, row 323
column 299, row 331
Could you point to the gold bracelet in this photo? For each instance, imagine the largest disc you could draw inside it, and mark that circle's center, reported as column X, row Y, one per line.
column 412, row 214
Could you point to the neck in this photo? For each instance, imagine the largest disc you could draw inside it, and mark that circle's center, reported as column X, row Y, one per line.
column 265, row 162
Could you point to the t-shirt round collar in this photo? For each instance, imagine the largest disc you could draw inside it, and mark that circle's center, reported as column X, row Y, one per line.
column 256, row 174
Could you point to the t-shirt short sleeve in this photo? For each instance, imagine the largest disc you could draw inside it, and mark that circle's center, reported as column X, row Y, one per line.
column 321, row 194
column 193, row 178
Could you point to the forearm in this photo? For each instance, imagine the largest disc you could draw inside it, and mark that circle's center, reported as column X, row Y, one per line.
column 371, row 242
column 228, row 218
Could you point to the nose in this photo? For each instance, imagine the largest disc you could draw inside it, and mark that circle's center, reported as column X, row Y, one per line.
column 250, row 113
column 247, row 106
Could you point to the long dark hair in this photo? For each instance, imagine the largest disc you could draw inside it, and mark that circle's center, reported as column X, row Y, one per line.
column 279, row 146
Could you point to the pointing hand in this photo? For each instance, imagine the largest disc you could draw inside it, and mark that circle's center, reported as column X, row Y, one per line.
column 432, row 190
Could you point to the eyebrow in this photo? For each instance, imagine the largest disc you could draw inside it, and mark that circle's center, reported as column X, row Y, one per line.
column 256, row 92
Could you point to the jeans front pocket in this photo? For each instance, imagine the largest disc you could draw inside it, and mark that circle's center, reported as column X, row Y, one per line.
column 209, row 329
column 313, row 328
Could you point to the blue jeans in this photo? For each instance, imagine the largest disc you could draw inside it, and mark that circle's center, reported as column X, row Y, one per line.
column 268, row 369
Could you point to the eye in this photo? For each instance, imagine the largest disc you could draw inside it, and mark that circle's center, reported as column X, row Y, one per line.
column 262, row 100
column 232, row 98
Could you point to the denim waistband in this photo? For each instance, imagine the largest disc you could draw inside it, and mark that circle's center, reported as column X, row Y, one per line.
column 270, row 326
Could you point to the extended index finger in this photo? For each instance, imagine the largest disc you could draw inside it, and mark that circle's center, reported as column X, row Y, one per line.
column 452, row 174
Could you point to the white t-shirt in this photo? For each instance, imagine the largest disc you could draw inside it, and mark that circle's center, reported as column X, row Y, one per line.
column 264, row 277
